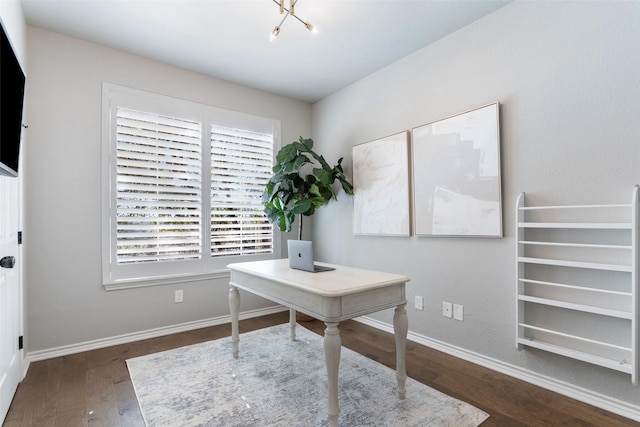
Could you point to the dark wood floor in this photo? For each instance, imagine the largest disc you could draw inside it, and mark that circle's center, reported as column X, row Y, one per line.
column 94, row 388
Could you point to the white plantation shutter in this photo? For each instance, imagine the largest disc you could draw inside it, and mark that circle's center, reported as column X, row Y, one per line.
column 159, row 188
column 182, row 189
column 241, row 165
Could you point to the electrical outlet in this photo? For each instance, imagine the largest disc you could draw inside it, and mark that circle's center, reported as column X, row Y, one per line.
column 458, row 312
column 179, row 296
column 447, row 309
column 419, row 303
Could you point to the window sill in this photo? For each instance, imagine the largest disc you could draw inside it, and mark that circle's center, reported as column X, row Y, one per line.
column 159, row 281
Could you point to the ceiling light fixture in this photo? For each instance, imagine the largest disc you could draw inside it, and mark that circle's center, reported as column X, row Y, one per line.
column 287, row 12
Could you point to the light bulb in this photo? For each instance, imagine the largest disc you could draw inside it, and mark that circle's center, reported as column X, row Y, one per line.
column 310, row 27
column 274, row 33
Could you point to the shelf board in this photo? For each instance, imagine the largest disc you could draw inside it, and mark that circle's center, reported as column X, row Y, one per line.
column 576, row 264
column 574, row 245
column 620, row 314
column 578, row 225
column 576, row 337
column 577, row 288
column 617, row 365
column 537, row 208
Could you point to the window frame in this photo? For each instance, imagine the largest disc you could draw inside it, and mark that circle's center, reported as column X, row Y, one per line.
column 115, row 276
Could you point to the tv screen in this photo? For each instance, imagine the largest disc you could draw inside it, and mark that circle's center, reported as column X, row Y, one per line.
column 12, row 81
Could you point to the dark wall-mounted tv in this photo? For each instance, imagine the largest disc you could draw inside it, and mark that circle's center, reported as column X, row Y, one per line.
column 12, row 81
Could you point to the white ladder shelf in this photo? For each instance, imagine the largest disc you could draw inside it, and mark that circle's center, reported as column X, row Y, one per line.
column 577, row 282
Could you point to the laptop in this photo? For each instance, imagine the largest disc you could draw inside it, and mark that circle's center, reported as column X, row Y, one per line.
column 301, row 256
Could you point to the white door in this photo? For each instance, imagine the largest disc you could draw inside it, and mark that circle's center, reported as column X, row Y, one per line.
column 9, row 294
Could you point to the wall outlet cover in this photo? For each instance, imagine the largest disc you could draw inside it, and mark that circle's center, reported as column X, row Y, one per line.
column 447, row 309
column 179, row 295
column 458, row 312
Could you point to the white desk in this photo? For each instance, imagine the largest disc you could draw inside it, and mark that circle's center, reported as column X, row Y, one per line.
column 332, row 296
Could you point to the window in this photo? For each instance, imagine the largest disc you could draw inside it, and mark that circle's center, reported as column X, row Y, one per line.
column 158, row 188
column 182, row 186
column 241, row 165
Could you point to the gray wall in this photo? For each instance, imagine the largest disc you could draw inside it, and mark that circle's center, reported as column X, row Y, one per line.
column 67, row 304
column 567, row 77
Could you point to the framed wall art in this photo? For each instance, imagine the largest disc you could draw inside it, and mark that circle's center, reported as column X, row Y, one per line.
column 456, row 175
column 381, row 187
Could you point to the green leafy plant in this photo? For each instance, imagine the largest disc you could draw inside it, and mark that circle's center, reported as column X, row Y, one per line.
column 291, row 191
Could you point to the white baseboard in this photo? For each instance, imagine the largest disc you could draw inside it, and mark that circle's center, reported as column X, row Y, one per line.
column 607, row 403
column 50, row 353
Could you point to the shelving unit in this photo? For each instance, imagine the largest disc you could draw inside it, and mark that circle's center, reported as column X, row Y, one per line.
column 577, row 282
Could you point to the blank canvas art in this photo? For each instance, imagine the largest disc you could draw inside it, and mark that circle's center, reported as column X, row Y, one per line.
column 381, row 187
column 456, row 175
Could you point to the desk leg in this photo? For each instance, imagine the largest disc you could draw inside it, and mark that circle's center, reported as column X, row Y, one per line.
column 332, row 347
column 234, row 307
column 400, row 329
column 292, row 323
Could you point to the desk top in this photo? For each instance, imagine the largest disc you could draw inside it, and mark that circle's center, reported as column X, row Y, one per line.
column 339, row 282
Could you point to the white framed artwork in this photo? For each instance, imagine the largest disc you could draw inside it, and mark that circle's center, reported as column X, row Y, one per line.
column 381, row 197
column 456, row 175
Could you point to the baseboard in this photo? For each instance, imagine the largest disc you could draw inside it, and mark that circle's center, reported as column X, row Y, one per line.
column 592, row 398
column 25, row 362
column 50, row 353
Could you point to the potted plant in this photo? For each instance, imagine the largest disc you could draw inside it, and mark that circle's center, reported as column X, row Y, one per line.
column 293, row 191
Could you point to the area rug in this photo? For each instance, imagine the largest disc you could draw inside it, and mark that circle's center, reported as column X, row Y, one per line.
column 279, row 382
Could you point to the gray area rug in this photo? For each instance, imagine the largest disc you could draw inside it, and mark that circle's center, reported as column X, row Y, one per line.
column 279, row 382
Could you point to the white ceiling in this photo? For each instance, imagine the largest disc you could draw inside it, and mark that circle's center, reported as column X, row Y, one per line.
column 229, row 39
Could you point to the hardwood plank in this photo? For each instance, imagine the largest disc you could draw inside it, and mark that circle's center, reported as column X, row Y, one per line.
column 46, row 387
column 127, row 404
column 94, row 388
column 101, row 397
column 587, row 413
column 71, row 417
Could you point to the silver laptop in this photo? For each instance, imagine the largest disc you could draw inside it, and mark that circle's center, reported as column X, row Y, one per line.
column 301, row 256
